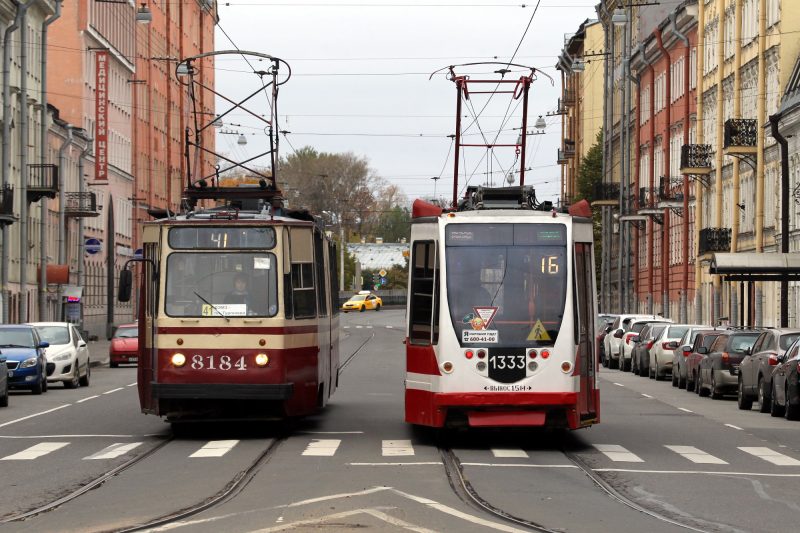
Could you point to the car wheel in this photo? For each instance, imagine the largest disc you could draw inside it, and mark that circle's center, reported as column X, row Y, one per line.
column 744, row 402
column 613, row 364
column 651, row 372
column 363, row 308
column 4, row 397
column 660, row 375
column 715, row 393
column 44, row 383
column 764, row 403
column 626, row 365
column 682, row 381
column 605, row 360
column 674, row 378
column 112, row 364
column 689, row 383
column 75, row 381
column 790, row 412
column 378, row 307
column 701, row 389
column 38, row 388
column 775, row 409
column 87, row 377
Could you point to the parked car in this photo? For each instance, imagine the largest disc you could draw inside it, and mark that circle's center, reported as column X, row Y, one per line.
column 3, row 382
column 700, row 350
column 755, row 372
column 640, row 355
column 662, row 351
column 25, row 357
column 124, row 345
column 628, row 343
column 362, row 301
column 614, row 337
column 603, row 323
column 719, row 371
column 67, row 356
column 681, row 354
column 785, row 388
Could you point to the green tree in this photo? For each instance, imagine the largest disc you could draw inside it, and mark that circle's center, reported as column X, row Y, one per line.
column 590, row 176
column 393, row 224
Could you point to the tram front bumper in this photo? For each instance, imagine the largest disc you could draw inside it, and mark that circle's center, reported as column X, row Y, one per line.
column 221, row 391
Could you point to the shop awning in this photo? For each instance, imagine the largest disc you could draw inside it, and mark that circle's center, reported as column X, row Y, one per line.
column 769, row 266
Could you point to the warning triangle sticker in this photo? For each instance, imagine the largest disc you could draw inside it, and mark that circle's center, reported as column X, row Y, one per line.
column 538, row 333
column 486, row 314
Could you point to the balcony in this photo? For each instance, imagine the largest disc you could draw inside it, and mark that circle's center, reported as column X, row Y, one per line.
column 606, row 194
column 6, row 205
column 670, row 189
column 569, row 97
column 714, row 240
column 562, row 159
column 80, row 205
column 696, row 159
column 569, row 148
column 648, row 196
column 740, row 136
column 42, row 181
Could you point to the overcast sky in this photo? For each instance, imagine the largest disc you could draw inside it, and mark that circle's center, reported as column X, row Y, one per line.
column 360, row 82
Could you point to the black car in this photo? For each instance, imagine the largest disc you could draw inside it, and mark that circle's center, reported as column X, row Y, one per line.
column 640, row 356
column 719, row 370
column 3, row 382
column 785, row 388
column 755, row 372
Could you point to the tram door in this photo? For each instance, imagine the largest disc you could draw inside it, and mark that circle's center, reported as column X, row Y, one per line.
column 584, row 312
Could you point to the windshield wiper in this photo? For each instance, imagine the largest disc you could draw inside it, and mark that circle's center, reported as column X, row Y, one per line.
column 13, row 346
column 214, row 307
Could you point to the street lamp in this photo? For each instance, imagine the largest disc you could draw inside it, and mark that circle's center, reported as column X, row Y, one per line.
column 540, row 123
column 579, row 65
column 143, row 14
column 619, row 18
column 242, row 140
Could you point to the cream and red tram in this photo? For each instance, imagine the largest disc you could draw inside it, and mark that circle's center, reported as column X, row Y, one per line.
column 237, row 315
column 501, row 309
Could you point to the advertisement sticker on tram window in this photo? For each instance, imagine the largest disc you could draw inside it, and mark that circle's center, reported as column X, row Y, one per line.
column 486, row 314
column 261, row 263
column 485, row 336
column 224, row 310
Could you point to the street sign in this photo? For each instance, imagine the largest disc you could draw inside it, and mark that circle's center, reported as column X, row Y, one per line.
column 92, row 245
column 383, row 273
column 384, row 281
column 138, row 254
column 377, row 286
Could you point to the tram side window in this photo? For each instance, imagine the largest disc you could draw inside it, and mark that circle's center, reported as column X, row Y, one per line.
column 304, row 295
column 424, row 316
column 319, row 259
column 334, row 273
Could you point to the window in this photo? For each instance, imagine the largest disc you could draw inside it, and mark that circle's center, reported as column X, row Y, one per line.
column 730, row 25
column 710, row 46
column 773, row 12
column 424, row 316
column 303, row 290
column 322, row 289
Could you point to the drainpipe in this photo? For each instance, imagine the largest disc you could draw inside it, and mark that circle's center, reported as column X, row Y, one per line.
column 683, row 313
column 666, row 147
column 43, row 160
column 737, row 113
column 699, row 191
column 6, row 147
column 651, row 130
column 626, row 152
column 62, row 230
column 607, row 222
column 81, row 251
column 717, row 296
column 622, row 187
column 631, row 167
column 761, row 110
column 24, row 143
column 776, row 134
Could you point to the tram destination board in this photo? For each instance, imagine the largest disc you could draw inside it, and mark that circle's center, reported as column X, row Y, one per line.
column 216, row 237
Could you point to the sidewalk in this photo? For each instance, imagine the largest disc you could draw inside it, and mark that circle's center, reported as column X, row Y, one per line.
column 98, row 352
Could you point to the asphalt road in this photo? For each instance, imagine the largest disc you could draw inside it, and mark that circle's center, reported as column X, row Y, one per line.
column 358, row 466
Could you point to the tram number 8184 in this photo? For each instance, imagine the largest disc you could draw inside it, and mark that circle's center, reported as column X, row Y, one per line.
column 213, row 362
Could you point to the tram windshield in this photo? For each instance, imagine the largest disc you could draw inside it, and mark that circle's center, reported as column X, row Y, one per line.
column 506, row 283
column 214, row 284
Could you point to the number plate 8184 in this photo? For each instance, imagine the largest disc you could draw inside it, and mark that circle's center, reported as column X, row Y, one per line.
column 218, row 362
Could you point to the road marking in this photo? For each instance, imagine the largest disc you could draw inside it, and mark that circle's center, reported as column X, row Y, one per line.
column 215, row 448
column 89, row 398
column 331, row 432
column 69, row 436
column 685, row 410
column 703, row 472
column 771, row 456
column 618, row 384
column 322, row 447
column 359, row 327
column 428, row 463
column 114, row 451
column 396, row 448
column 132, row 384
column 647, row 395
column 518, row 465
column 617, row 453
column 508, row 452
column 346, row 327
column 389, row 327
column 696, row 455
column 113, row 390
column 35, row 451
column 34, row 415
column 734, row 427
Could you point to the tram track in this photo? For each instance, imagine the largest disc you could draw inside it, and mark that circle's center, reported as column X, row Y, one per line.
column 355, row 353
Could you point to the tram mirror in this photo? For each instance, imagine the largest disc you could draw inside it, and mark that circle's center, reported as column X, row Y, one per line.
column 125, row 284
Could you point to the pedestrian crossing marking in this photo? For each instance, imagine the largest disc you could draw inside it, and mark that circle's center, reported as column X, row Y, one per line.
column 507, row 452
column 771, row 456
column 114, row 451
column 617, row 453
column 396, row 448
column 696, row 455
column 35, row 451
column 215, row 448
column 322, row 447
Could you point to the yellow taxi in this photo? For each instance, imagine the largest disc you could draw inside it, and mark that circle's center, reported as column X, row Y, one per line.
column 362, row 301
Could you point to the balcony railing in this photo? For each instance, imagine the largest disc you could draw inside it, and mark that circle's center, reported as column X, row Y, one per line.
column 569, row 97
column 606, row 192
column 562, row 157
column 80, row 205
column 648, row 196
column 42, row 181
column 6, row 205
column 696, row 159
column 670, row 189
column 714, row 240
column 569, row 148
column 740, row 136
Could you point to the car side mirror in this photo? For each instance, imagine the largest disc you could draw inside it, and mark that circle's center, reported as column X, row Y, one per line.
column 781, row 358
column 618, row 334
column 2, row 359
column 673, row 345
column 748, row 350
column 125, row 284
column 44, row 344
column 702, row 350
column 608, row 329
column 636, row 338
column 81, row 344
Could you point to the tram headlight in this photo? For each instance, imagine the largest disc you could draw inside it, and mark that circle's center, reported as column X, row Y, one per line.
column 178, row 359
column 262, row 359
column 545, row 354
column 469, row 354
column 566, row 367
column 447, row 366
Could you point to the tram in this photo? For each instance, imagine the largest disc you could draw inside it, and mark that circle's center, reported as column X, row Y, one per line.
column 238, row 295
column 501, row 309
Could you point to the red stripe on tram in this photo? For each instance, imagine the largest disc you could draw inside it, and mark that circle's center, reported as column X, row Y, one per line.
column 287, row 330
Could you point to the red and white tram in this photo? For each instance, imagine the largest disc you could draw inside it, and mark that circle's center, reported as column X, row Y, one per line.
column 501, row 310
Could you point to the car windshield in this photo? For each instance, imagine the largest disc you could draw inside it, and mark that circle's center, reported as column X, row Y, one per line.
column 127, row 333
column 16, row 338
column 708, row 340
column 358, row 298
column 788, row 339
column 740, row 343
column 54, row 334
column 506, row 282
column 656, row 331
column 676, row 332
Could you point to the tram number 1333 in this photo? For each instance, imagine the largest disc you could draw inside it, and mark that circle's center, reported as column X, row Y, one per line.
column 510, row 362
column 218, row 362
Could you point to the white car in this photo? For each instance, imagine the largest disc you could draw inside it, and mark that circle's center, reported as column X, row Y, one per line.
column 661, row 355
column 614, row 337
column 67, row 356
column 626, row 343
